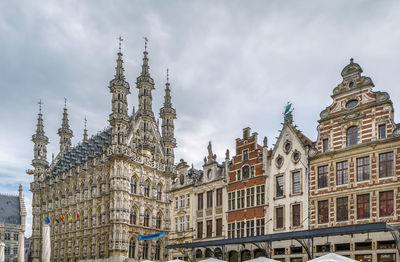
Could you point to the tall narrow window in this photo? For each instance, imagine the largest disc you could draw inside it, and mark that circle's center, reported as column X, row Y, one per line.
column 352, row 135
column 363, row 206
column 385, row 203
column 296, row 215
column 132, row 247
column 363, row 168
column 325, row 145
column 231, row 201
column 176, row 203
column 158, row 251
column 218, row 224
column 341, row 173
column 382, row 131
column 209, row 199
column 182, row 224
column 145, row 254
column 322, row 176
column 182, row 199
column 158, row 221
column 245, row 155
column 250, row 197
column 238, row 175
column 240, row 229
column 296, row 186
column 279, row 186
column 200, row 201
column 279, row 217
column 250, row 228
column 246, row 172
column 323, row 212
column 260, row 223
column 133, row 185
column 176, row 224
column 260, row 195
column 187, row 200
column 147, row 189
column 133, row 217
column 146, row 219
column 386, row 164
column 159, row 192
column 187, row 222
column 342, row 209
column 240, row 198
column 209, row 228
column 199, row 230
column 219, row 197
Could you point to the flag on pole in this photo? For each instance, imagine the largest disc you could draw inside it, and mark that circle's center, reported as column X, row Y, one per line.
column 47, row 220
column 57, row 220
column 69, row 217
column 77, row 214
column 61, row 218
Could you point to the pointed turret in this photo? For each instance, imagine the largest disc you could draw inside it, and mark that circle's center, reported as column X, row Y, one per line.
column 40, row 141
column 65, row 132
column 145, row 84
column 119, row 88
column 168, row 114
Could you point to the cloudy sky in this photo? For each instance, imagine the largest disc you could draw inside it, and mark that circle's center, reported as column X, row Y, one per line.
column 232, row 64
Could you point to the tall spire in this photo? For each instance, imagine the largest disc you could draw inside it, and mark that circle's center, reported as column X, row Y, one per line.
column 65, row 132
column 40, row 141
column 145, row 74
column 168, row 114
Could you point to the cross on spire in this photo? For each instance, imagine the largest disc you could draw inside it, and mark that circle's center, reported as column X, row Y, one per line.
column 40, row 106
column 120, row 39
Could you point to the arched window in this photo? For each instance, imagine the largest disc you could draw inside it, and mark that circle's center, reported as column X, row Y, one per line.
column 145, row 250
column 158, row 251
column 351, row 135
column 246, row 172
column 133, row 185
column 199, row 254
column 132, row 218
column 209, row 252
column 146, row 219
column 147, row 189
column 159, row 192
column 132, row 247
column 158, row 221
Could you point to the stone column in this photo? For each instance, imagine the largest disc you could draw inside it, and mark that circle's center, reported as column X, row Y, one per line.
column 21, row 247
column 2, row 252
column 46, row 243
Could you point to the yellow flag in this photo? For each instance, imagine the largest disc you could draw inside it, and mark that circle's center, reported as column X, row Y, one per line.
column 69, row 216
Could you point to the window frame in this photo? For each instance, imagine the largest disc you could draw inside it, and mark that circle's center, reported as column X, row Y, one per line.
column 323, row 176
column 352, row 135
column 386, row 165
column 363, row 207
column 279, row 218
column 342, row 173
column 363, row 168
column 323, row 217
column 342, row 209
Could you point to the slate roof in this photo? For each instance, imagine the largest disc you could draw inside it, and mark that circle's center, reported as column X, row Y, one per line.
column 10, row 210
column 84, row 151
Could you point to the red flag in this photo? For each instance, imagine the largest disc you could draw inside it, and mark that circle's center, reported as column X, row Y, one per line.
column 61, row 218
column 77, row 215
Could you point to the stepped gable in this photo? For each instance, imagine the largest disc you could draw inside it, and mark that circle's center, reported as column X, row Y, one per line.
column 10, row 210
column 93, row 147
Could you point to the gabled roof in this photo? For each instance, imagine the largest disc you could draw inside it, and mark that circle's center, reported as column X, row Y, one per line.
column 84, row 151
column 10, row 210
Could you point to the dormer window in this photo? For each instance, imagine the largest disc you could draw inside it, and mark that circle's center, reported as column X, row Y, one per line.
column 382, row 131
column 246, row 172
column 351, row 84
column 325, row 145
column 209, row 173
column 351, row 104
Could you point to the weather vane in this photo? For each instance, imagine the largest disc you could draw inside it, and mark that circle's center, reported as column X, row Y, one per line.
column 40, row 106
column 145, row 43
column 120, row 39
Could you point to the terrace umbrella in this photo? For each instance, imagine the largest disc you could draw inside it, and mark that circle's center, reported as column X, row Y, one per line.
column 332, row 257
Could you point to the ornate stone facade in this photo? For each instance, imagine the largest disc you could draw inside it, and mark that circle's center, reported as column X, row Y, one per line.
column 101, row 194
column 355, row 168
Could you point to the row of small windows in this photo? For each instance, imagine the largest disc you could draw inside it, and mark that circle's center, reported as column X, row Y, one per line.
column 146, row 218
column 362, row 170
column 209, row 228
column 352, row 136
column 200, row 205
column 146, row 188
column 255, row 196
column 10, row 251
column 10, row 236
column 180, row 202
column 249, row 228
column 386, row 207
column 146, row 247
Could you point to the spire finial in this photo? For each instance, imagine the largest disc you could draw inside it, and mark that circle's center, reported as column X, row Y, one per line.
column 85, row 121
column 65, row 102
column 145, row 43
column 40, row 106
column 351, row 60
column 167, row 75
column 120, row 39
